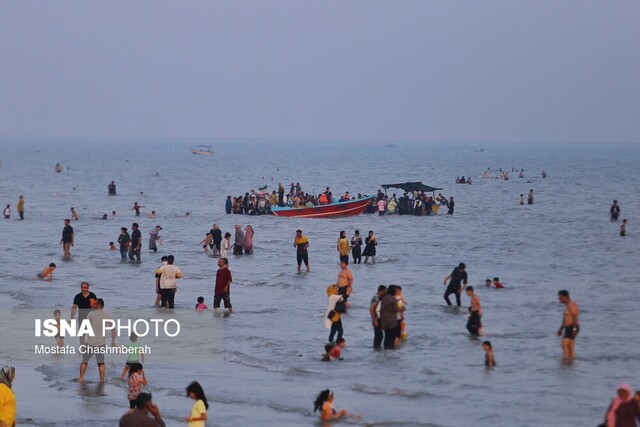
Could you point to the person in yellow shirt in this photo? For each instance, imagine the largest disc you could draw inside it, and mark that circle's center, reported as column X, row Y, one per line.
column 20, row 206
column 343, row 247
column 7, row 398
column 301, row 243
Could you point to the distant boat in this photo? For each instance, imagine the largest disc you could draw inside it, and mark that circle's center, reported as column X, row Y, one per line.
column 348, row 208
column 202, row 149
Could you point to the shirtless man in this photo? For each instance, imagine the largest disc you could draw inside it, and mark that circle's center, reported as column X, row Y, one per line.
column 570, row 325
column 474, row 324
column 345, row 281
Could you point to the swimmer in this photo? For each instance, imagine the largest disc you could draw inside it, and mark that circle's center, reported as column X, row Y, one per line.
column 497, row 284
column 58, row 168
column 623, row 228
column 487, row 283
column 105, row 216
column 74, row 214
column 489, row 361
column 112, row 246
column 113, row 213
column 152, row 215
column 47, row 273
column 522, row 199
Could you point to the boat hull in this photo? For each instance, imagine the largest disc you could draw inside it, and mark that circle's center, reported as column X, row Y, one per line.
column 341, row 209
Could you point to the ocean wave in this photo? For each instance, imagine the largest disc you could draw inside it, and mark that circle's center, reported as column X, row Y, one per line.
column 252, row 362
column 389, row 391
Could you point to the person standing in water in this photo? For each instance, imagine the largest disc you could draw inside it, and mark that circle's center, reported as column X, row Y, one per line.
column 370, row 247
column 222, row 290
column 474, row 324
column 238, row 245
column 530, row 197
column 199, row 409
column 112, row 188
column 136, row 207
column 136, row 243
column 68, row 238
column 20, row 206
column 343, row 247
column 457, row 276
column 451, row 205
column 124, row 239
column 374, row 311
column 570, row 325
column 614, row 211
column 623, row 228
column 168, row 286
column 345, row 281
column 216, row 235
column 154, row 238
column 356, row 247
column 248, row 240
column 301, row 243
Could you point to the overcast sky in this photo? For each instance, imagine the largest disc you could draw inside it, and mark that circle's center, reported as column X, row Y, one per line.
column 367, row 70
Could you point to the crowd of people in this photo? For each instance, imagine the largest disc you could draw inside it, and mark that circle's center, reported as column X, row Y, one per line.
column 387, row 308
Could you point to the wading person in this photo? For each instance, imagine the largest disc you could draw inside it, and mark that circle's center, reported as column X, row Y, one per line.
column 356, row 247
column 457, row 276
column 570, row 325
column 223, row 286
column 474, row 324
column 168, row 286
column 124, row 240
column 96, row 344
column 82, row 304
column 68, row 238
column 374, row 311
column 301, row 243
column 136, row 243
column 343, row 247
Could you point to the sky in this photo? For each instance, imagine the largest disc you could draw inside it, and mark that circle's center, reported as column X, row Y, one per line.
column 403, row 70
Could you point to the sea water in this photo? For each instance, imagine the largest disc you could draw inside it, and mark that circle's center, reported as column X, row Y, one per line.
column 266, row 367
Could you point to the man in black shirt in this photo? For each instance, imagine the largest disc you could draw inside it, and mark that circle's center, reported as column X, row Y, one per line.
column 67, row 238
column 82, row 301
column 457, row 276
column 136, row 243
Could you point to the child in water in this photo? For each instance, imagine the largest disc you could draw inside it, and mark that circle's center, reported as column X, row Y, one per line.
column 134, row 357
column 497, row 284
column 200, row 306
column 136, row 381
column 489, row 361
column 623, row 228
column 324, row 404
column 205, row 243
column 199, row 408
column 47, row 273
column 59, row 339
column 112, row 246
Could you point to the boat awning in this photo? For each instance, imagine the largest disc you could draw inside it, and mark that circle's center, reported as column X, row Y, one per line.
column 411, row 186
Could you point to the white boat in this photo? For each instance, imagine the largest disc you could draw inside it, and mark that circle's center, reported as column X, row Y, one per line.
column 202, row 149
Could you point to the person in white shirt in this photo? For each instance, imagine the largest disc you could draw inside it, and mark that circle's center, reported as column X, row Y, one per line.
column 168, row 275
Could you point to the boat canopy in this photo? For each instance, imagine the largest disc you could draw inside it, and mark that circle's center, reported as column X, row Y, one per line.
column 411, row 186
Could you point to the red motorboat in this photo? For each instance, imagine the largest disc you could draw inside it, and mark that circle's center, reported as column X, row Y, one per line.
column 349, row 208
